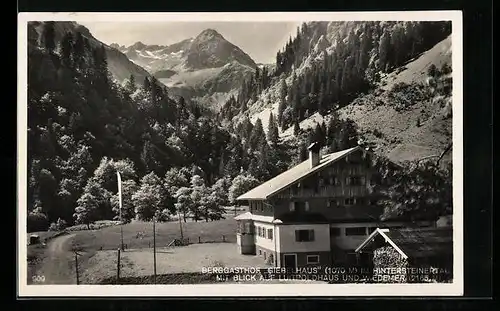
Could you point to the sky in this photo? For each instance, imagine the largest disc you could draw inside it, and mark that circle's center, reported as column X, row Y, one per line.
column 260, row 40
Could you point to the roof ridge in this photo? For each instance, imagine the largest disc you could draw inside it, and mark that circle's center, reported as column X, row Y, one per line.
column 301, row 170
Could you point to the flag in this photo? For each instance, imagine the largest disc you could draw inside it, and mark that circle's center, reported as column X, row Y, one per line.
column 119, row 193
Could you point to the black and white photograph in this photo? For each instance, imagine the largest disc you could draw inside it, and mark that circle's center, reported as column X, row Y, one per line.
column 240, row 154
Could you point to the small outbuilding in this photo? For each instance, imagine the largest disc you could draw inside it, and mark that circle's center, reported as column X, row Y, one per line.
column 421, row 254
column 34, row 239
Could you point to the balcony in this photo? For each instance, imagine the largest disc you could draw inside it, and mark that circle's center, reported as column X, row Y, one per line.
column 325, row 192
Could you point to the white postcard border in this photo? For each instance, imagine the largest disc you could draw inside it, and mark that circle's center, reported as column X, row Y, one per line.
column 245, row 290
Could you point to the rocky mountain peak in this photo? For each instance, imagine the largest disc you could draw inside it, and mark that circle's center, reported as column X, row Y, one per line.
column 209, row 34
column 210, row 50
column 137, row 46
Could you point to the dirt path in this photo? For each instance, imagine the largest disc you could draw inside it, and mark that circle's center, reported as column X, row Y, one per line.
column 58, row 266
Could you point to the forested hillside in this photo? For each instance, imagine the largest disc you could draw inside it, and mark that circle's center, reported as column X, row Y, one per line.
column 329, row 65
column 83, row 127
column 346, row 83
column 178, row 157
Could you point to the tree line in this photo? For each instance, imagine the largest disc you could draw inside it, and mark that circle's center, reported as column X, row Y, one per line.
column 174, row 156
column 361, row 53
column 83, row 126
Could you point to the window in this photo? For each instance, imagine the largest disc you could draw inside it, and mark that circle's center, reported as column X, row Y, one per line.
column 357, row 180
column 334, row 231
column 333, row 203
column 349, row 201
column 312, row 259
column 348, row 180
column 355, row 231
column 258, row 206
column 292, row 206
column 304, row 235
column 270, row 234
column 306, row 206
column 249, row 228
column 321, row 182
column 333, row 180
column 299, row 206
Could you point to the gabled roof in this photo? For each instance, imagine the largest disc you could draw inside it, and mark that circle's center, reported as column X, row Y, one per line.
column 250, row 216
column 293, row 175
column 415, row 242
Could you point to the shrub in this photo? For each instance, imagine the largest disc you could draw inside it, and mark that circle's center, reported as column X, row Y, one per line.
column 37, row 221
column 446, row 69
column 432, row 71
column 378, row 133
column 270, row 260
column 388, row 257
column 400, row 86
column 53, row 227
column 61, row 224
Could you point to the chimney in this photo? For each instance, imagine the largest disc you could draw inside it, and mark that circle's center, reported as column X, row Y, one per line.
column 314, row 149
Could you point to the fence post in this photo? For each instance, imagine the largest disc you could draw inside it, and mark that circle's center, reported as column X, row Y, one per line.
column 76, row 268
column 187, row 240
column 199, row 239
column 118, row 269
column 223, row 238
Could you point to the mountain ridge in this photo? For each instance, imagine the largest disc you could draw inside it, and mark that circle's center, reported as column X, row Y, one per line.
column 396, row 136
column 203, row 68
column 119, row 64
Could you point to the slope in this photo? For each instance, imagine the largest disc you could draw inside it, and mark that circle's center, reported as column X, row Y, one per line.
column 407, row 116
column 119, row 65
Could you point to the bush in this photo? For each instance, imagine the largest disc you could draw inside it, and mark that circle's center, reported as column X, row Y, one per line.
column 432, row 71
column 446, row 69
column 37, row 221
column 61, row 224
column 378, row 133
column 400, row 86
column 53, row 227
column 388, row 257
column 58, row 226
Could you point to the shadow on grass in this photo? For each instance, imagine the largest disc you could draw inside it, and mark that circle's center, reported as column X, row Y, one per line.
column 176, row 278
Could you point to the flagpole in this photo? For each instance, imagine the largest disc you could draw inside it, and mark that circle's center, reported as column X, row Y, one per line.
column 121, row 206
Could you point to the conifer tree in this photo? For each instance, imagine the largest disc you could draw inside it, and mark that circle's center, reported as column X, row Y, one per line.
column 67, row 49
column 48, row 36
column 296, row 128
column 272, row 131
